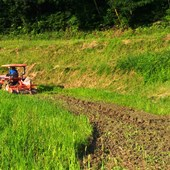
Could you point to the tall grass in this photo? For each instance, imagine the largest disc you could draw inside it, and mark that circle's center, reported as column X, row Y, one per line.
column 153, row 67
column 35, row 134
column 131, row 62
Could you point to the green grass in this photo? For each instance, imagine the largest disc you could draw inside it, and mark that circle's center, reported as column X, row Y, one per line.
column 36, row 134
column 153, row 67
column 155, row 106
column 131, row 63
column 130, row 68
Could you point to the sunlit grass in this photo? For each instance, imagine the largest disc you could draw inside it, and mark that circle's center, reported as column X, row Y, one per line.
column 129, row 68
column 157, row 106
column 36, row 134
column 153, row 67
column 130, row 62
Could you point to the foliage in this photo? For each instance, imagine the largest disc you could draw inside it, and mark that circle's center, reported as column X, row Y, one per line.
column 37, row 16
column 138, row 12
column 167, row 17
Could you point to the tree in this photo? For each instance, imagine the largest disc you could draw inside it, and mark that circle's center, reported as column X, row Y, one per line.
column 24, row 16
column 135, row 12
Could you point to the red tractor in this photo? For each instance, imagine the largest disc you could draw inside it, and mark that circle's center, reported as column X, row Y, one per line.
column 17, row 83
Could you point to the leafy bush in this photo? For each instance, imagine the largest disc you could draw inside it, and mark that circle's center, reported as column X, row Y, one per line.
column 167, row 17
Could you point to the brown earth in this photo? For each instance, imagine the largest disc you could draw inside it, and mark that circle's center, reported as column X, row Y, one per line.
column 123, row 137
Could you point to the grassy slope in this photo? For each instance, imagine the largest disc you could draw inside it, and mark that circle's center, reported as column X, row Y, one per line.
column 133, row 64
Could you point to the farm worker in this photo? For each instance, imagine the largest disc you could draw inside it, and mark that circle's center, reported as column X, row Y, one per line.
column 13, row 72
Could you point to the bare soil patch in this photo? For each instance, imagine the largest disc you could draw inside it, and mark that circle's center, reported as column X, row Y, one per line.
column 123, row 137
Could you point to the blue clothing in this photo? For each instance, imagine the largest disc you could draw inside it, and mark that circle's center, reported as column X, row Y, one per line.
column 13, row 72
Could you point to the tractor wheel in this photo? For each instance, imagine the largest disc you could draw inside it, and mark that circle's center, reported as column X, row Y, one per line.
column 33, row 91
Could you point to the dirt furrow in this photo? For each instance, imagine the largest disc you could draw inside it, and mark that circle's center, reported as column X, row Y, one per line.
column 123, row 137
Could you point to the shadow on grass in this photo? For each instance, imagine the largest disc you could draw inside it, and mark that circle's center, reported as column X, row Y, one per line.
column 85, row 150
column 50, row 88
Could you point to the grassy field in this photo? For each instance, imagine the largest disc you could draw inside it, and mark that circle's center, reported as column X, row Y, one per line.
column 35, row 134
column 155, row 106
column 130, row 68
column 132, row 64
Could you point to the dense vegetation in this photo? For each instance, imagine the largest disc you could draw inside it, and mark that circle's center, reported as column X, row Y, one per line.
column 129, row 67
column 36, row 16
column 36, row 134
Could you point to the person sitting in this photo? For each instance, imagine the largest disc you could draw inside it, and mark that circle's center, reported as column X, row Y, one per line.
column 13, row 72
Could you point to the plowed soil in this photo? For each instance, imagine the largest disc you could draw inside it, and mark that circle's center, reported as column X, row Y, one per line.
column 123, row 138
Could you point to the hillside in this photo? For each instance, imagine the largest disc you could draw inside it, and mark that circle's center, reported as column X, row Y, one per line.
column 103, row 101
column 131, row 63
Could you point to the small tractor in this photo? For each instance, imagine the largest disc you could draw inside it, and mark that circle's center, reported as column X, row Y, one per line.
column 17, row 84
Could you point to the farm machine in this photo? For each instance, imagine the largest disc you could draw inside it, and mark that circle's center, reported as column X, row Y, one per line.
column 17, row 83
